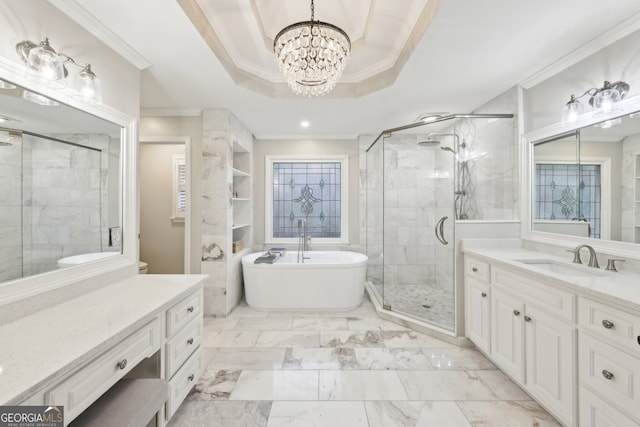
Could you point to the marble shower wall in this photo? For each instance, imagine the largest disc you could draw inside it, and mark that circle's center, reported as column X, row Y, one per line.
column 10, row 212
column 54, row 202
column 630, row 194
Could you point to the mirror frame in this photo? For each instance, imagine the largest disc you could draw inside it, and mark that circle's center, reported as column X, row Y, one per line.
column 18, row 289
column 625, row 249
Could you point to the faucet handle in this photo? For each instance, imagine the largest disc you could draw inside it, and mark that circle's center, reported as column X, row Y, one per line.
column 611, row 264
column 576, row 255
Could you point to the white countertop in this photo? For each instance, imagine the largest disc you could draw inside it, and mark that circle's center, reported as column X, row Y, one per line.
column 616, row 287
column 39, row 349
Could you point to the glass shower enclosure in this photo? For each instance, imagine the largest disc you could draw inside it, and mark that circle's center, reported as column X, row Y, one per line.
column 419, row 181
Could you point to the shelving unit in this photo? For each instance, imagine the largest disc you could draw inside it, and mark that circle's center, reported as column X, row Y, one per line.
column 242, row 197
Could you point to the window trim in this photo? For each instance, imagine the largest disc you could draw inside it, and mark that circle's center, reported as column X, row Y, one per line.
column 343, row 159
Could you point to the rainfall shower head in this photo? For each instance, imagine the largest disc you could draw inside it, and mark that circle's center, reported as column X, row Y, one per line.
column 429, row 142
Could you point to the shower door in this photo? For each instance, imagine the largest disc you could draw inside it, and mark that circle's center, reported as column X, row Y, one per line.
column 418, row 226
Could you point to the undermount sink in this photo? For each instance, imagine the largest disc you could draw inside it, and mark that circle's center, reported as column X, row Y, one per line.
column 558, row 267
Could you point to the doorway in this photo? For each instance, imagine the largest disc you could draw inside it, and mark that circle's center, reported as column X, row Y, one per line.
column 164, row 198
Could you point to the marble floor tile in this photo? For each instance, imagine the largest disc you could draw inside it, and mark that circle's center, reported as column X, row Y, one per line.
column 361, row 385
column 294, row 314
column 320, row 324
column 263, row 324
column 411, row 414
column 319, row 358
column 276, row 385
column 501, row 385
column 457, row 358
column 248, row 358
column 351, row 339
column 230, row 338
column 219, row 323
column 372, row 324
column 391, row 358
column 411, row 339
column 445, row 385
column 197, row 413
column 243, row 310
column 507, row 414
column 318, row 414
column 208, row 355
column 214, row 385
column 288, row 339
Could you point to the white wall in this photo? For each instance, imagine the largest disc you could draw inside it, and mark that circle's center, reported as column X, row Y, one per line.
column 262, row 148
column 35, row 19
column 619, row 61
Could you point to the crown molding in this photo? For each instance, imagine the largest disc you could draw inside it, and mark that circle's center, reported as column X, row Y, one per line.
column 86, row 20
column 170, row 112
column 596, row 44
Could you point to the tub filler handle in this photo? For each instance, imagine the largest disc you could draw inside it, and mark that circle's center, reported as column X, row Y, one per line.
column 440, row 230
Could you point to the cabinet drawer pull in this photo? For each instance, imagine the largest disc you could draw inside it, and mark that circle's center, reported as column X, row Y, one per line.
column 527, row 319
column 474, row 269
column 191, row 377
column 484, row 295
column 608, row 375
column 516, row 312
column 190, row 309
column 190, row 341
column 607, row 324
column 122, row 364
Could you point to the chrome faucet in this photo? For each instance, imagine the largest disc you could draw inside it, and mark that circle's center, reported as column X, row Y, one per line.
column 593, row 258
column 303, row 240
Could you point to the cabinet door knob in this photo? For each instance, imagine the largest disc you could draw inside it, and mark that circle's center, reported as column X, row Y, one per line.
column 190, row 341
column 474, row 269
column 527, row 319
column 516, row 312
column 607, row 324
column 122, row 364
column 484, row 295
column 608, row 375
column 190, row 309
column 191, row 377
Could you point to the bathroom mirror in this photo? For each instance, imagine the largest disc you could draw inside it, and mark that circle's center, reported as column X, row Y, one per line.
column 60, row 197
column 586, row 183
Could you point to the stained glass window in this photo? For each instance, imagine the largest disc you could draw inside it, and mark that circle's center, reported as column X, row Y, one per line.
column 309, row 191
column 559, row 188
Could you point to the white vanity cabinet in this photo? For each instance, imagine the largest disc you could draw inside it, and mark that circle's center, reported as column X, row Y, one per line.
column 477, row 303
column 532, row 333
column 609, row 360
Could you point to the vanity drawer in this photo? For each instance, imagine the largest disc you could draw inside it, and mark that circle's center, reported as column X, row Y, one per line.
column 82, row 388
column 610, row 373
column 183, row 312
column 549, row 298
column 595, row 412
column 181, row 346
column 477, row 269
column 617, row 326
column 183, row 382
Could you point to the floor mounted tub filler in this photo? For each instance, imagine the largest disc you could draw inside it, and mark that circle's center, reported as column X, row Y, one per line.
column 326, row 281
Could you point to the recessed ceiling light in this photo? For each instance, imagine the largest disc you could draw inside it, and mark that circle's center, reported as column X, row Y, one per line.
column 304, row 124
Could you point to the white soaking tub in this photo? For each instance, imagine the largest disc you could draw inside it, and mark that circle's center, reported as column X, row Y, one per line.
column 328, row 280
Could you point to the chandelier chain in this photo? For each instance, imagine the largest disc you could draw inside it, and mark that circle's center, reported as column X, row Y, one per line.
column 312, row 11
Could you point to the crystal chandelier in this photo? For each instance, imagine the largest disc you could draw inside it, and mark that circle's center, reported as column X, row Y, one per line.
column 312, row 55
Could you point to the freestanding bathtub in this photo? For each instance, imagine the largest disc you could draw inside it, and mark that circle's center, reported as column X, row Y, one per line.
column 328, row 280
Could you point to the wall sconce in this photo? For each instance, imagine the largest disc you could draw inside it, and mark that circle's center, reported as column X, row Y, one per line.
column 49, row 66
column 603, row 100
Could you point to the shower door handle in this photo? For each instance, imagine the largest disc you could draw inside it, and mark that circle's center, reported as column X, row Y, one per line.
column 440, row 230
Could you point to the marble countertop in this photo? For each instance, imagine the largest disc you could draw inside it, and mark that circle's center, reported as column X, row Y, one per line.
column 39, row 349
column 619, row 288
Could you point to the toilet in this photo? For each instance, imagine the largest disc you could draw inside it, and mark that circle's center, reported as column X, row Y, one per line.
column 142, row 267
